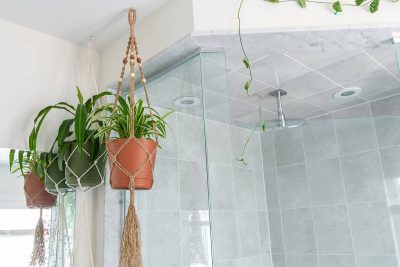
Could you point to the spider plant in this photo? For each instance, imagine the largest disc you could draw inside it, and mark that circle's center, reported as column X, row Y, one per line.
column 81, row 127
column 119, row 121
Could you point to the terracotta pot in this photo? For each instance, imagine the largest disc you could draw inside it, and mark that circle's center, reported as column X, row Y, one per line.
column 55, row 176
column 132, row 158
column 35, row 193
column 81, row 167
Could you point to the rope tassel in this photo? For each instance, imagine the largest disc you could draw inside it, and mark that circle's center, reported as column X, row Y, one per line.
column 38, row 256
column 131, row 255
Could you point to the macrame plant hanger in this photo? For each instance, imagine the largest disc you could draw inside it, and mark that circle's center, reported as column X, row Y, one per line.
column 130, row 242
column 60, row 233
column 81, row 225
column 34, row 197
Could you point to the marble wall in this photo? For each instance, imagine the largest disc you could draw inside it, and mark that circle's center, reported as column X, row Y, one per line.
column 332, row 188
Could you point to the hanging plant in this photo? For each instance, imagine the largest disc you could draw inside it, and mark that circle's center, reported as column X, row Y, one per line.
column 31, row 165
column 80, row 151
column 336, row 7
column 132, row 153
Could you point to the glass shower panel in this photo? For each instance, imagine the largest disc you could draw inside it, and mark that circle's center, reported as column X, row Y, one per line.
column 174, row 214
column 239, row 223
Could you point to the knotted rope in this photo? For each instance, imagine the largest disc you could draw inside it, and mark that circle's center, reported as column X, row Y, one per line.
column 130, row 242
column 38, row 256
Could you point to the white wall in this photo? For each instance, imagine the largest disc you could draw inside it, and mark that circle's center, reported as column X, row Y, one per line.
column 36, row 70
column 221, row 15
column 155, row 33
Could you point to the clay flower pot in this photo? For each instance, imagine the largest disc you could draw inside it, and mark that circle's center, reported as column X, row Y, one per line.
column 90, row 173
column 35, row 193
column 129, row 156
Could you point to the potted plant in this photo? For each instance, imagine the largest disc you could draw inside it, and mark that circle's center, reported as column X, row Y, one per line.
column 31, row 166
column 80, row 150
column 137, row 154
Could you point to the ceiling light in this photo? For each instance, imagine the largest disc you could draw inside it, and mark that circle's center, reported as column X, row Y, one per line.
column 348, row 92
column 187, row 101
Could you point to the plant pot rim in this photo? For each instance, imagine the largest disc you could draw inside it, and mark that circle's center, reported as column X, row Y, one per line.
column 141, row 139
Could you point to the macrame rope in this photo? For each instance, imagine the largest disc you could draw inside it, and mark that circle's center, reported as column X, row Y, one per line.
column 38, row 256
column 94, row 165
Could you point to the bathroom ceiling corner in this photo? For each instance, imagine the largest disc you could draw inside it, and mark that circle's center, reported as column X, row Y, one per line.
column 75, row 20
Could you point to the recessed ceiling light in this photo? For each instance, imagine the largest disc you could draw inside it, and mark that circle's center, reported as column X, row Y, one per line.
column 348, row 92
column 187, row 101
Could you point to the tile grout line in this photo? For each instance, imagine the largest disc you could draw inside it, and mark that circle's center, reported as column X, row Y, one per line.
column 310, row 198
column 236, row 211
column 265, row 199
column 255, row 194
column 384, row 186
column 279, row 201
column 179, row 175
column 345, row 193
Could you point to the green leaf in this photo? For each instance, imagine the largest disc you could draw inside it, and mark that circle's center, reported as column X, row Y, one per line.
column 94, row 149
column 273, row 1
column 61, row 154
column 11, row 158
column 360, row 2
column 21, row 161
column 246, row 63
column 80, row 127
column 90, row 103
column 63, row 131
column 247, row 86
column 263, row 127
column 337, row 7
column 302, row 3
column 80, row 97
column 374, row 6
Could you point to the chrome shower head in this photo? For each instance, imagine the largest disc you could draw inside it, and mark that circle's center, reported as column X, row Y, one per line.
column 281, row 121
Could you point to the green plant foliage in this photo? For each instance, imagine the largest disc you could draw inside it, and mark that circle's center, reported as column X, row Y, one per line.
column 144, row 124
column 302, row 3
column 374, row 6
column 337, row 7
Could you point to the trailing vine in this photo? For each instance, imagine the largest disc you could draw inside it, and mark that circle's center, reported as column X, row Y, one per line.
column 337, row 7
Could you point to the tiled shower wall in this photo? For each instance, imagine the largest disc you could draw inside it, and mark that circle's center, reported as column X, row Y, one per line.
column 174, row 215
column 332, row 188
column 239, row 220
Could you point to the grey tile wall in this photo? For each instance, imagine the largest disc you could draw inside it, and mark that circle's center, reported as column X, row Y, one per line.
column 332, row 188
column 239, row 217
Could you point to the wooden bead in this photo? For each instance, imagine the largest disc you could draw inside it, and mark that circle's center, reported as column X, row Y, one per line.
column 139, row 59
column 144, row 80
column 132, row 61
column 120, row 80
column 125, row 61
column 133, row 75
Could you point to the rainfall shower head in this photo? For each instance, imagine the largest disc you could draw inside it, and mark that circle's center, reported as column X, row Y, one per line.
column 281, row 121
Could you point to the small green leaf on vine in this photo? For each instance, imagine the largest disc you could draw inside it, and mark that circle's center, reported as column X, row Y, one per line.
column 359, row 2
column 247, row 86
column 374, row 6
column 273, row 1
column 263, row 127
column 302, row 3
column 246, row 63
column 337, row 7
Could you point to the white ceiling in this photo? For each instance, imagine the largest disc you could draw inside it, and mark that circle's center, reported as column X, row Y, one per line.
column 75, row 20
